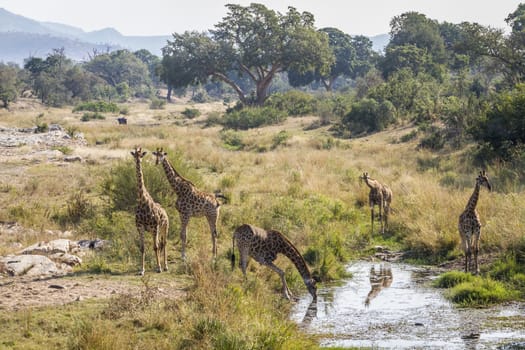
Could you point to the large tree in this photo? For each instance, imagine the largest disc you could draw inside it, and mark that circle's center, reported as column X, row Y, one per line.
column 412, row 35
column 120, row 68
column 8, row 83
column 254, row 42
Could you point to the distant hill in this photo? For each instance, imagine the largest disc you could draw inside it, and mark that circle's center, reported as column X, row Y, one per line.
column 379, row 42
column 21, row 37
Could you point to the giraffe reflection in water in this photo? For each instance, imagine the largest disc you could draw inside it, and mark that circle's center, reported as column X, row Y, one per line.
column 379, row 279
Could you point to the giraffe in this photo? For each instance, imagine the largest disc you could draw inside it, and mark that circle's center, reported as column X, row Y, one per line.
column 387, row 200
column 264, row 245
column 191, row 202
column 470, row 225
column 379, row 280
column 150, row 216
column 380, row 195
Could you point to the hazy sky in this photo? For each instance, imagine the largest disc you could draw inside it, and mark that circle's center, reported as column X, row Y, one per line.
column 163, row 17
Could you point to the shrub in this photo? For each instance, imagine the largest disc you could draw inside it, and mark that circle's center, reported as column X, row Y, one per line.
column 280, row 139
column 252, row 117
column 191, row 113
column 232, row 140
column 97, row 106
column 369, row 115
column 92, row 116
column 294, row 102
column 157, row 103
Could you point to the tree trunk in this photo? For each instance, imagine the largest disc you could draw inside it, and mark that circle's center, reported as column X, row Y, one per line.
column 168, row 95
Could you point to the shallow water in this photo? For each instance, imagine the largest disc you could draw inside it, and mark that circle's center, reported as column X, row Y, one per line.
column 391, row 305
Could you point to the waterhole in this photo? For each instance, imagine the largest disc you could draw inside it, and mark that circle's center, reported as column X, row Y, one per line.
column 394, row 306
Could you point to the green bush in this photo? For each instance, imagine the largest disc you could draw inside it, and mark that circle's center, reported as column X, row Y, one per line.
column 92, row 116
column 369, row 115
column 97, row 106
column 294, row 102
column 191, row 113
column 157, row 103
column 232, row 140
column 252, row 117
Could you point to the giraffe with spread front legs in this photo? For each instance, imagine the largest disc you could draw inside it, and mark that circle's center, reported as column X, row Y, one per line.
column 151, row 217
column 190, row 202
column 380, row 195
column 263, row 246
column 470, row 225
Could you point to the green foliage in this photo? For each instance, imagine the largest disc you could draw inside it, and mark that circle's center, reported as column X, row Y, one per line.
column 280, row 139
column 8, row 83
column 480, row 292
column 252, row 38
column 452, row 279
column 232, row 139
column 368, row 115
column 503, row 127
column 92, row 116
column 252, row 117
column 157, row 103
column 293, row 102
column 97, row 106
column 191, row 113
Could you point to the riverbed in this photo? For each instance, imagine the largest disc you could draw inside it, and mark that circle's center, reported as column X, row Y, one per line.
column 393, row 306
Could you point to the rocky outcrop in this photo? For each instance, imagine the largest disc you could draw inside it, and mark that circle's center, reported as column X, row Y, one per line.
column 54, row 257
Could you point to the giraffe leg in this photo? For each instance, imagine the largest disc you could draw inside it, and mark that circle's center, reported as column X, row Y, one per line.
column 381, row 217
column 243, row 260
column 372, row 217
column 156, row 248
column 184, row 219
column 286, row 292
column 142, row 251
column 163, row 244
column 475, row 245
column 468, row 256
column 464, row 247
column 212, row 222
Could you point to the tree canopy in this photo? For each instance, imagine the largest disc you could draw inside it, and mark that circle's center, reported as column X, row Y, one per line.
column 252, row 41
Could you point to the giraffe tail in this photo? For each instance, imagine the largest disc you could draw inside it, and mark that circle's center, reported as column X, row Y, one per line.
column 233, row 252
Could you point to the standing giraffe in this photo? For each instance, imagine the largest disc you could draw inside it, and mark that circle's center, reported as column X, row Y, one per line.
column 380, row 195
column 263, row 246
column 387, row 200
column 470, row 225
column 190, row 201
column 150, row 216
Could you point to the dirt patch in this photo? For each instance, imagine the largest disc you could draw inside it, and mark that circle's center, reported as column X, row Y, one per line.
column 18, row 293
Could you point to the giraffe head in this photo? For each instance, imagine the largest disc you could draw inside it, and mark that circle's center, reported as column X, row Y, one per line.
column 159, row 155
column 138, row 153
column 311, row 285
column 483, row 180
column 365, row 176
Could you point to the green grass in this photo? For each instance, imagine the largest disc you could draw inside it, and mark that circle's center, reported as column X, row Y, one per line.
column 480, row 292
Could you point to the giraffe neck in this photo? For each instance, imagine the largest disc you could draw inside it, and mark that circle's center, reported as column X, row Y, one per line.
column 143, row 194
column 373, row 184
column 293, row 254
column 473, row 201
column 175, row 179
